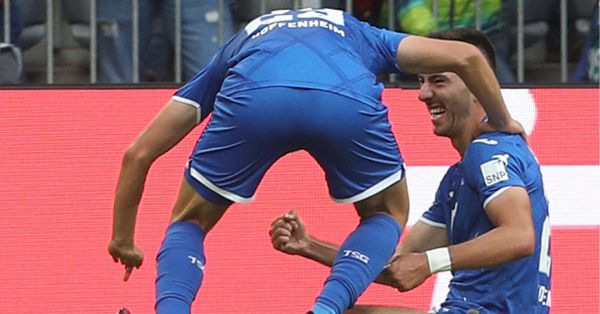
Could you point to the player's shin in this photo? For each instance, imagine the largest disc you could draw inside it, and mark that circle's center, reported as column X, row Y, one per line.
column 180, row 268
column 359, row 261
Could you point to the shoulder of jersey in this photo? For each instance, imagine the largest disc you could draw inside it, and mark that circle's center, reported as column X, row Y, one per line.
column 493, row 139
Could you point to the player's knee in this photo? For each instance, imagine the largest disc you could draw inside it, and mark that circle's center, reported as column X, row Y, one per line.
column 399, row 212
column 392, row 201
column 394, row 206
column 204, row 216
column 191, row 207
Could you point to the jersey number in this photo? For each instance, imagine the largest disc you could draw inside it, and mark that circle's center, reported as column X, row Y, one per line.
column 545, row 259
column 330, row 15
column 453, row 215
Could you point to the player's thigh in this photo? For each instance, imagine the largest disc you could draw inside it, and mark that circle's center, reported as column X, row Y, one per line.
column 191, row 206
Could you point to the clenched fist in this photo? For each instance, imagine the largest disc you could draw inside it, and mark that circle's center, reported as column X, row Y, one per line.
column 288, row 234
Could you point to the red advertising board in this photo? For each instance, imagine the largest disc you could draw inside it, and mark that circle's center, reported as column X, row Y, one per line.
column 60, row 157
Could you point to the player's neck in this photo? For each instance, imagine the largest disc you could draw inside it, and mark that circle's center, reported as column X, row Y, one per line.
column 466, row 135
column 461, row 143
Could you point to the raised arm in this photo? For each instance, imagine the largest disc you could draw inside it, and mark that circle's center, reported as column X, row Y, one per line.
column 423, row 55
column 171, row 125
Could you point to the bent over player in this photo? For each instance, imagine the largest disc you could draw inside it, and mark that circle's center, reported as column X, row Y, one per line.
column 288, row 81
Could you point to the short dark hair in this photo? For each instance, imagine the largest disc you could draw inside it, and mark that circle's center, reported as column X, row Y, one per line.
column 471, row 36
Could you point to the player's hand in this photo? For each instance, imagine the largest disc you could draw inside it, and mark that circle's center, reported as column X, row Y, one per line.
column 288, row 234
column 129, row 255
column 407, row 271
column 512, row 127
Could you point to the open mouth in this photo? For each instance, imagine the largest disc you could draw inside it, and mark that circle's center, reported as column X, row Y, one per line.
column 436, row 112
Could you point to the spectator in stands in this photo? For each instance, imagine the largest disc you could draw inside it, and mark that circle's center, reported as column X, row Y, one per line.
column 588, row 67
column 416, row 17
column 16, row 23
column 199, row 35
column 369, row 11
column 11, row 61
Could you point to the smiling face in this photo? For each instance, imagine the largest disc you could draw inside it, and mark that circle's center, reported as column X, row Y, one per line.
column 454, row 110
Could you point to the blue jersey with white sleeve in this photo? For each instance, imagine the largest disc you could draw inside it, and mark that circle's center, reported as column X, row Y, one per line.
column 493, row 163
column 321, row 49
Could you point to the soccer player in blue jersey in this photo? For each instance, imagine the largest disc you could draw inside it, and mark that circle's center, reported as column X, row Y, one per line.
column 290, row 80
column 488, row 224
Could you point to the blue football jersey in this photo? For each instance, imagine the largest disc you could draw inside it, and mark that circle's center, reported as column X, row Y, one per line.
column 322, row 49
column 492, row 163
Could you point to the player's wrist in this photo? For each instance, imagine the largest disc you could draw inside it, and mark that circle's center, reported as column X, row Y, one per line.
column 309, row 247
column 439, row 260
column 122, row 241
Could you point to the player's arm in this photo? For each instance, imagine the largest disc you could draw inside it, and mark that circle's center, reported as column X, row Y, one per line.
column 422, row 237
column 321, row 251
column 512, row 238
column 289, row 236
column 416, row 54
column 173, row 122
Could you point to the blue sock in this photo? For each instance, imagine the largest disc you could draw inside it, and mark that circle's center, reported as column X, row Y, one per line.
column 180, row 268
column 319, row 308
column 358, row 263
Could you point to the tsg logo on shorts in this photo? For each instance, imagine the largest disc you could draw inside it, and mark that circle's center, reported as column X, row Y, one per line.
column 494, row 171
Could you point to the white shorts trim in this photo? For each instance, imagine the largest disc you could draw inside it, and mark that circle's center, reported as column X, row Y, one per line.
column 382, row 185
column 226, row 194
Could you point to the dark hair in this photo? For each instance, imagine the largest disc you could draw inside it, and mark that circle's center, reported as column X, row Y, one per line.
column 471, row 36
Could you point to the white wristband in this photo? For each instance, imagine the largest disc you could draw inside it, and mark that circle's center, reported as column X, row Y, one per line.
column 439, row 260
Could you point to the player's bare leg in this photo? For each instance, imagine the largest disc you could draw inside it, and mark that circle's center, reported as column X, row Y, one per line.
column 393, row 200
column 192, row 207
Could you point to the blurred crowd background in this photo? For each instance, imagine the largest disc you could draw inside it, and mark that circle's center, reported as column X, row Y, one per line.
column 539, row 42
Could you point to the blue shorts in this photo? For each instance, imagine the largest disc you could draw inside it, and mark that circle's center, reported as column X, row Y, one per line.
column 249, row 130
